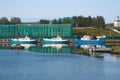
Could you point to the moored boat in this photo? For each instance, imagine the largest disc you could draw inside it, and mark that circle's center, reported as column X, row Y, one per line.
column 17, row 46
column 26, row 46
column 57, row 40
column 89, row 40
column 25, row 40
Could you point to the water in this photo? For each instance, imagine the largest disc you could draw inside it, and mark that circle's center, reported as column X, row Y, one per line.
column 48, row 63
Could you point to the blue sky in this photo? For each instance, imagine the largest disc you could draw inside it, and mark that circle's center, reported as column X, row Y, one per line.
column 50, row 9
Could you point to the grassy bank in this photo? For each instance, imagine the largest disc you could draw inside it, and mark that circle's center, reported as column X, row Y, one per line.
column 116, row 49
column 95, row 32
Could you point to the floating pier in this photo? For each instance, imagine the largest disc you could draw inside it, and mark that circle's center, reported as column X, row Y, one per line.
column 102, row 50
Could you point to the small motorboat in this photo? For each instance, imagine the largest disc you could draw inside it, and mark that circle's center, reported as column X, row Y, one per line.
column 17, row 46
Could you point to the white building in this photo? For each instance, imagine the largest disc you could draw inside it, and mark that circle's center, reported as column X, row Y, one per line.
column 117, row 22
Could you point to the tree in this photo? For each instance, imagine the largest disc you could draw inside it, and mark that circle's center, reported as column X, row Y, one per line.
column 66, row 20
column 54, row 21
column 80, row 21
column 89, row 21
column 15, row 20
column 4, row 20
column 74, row 21
column 60, row 21
column 100, row 22
column 43, row 21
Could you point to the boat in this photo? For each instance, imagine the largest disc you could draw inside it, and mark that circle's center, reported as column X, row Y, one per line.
column 25, row 40
column 89, row 40
column 26, row 46
column 57, row 40
column 17, row 46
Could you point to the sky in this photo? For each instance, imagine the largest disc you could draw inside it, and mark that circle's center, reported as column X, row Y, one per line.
column 33, row 10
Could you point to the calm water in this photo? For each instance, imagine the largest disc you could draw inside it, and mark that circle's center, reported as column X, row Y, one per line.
column 48, row 63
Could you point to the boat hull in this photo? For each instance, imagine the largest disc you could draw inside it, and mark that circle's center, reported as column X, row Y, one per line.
column 23, row 41
column 77, row 41
column 17, row 46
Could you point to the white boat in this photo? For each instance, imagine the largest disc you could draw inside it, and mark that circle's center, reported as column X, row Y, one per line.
column 25, row 40
column 57, row 40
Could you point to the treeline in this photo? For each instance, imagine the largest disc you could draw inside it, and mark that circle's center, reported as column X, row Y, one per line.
column 76, row 21
column 14, row 20
column 80, row 21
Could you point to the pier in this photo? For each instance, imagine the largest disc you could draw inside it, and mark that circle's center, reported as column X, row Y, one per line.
column 112, row 41
column 4, row 40
column 102, row 50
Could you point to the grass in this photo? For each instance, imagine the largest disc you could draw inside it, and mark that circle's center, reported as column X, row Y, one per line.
column 95, row 32
column 115, row 47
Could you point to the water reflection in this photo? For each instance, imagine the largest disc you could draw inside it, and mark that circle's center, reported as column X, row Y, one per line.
column 57, row 46
column 27, row 46
column 78, row 49
column 25, row 65
column 88, row 49
column 52, row 48
column 22, row 65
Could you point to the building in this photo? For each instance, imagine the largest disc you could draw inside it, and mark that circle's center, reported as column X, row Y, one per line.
column 117, row 22
column 36, row 30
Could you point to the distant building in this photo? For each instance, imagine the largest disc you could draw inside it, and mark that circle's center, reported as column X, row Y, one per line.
column 117, row 22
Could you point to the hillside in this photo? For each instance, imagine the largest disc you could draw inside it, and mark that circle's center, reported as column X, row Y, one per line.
column 94, row 31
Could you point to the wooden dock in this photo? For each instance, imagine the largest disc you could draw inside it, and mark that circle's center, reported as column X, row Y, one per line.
column 4, row 40
column 102, row 50
column 112, row 41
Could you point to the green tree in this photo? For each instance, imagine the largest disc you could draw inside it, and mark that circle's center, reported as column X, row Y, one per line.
column 54, row 21
column 79, row 21
column 74, row 21
column 15, row 20
column 43, row 21
column 4, row 20
column 66, row 20
column 60, row 21
column 89, row 21
column 100, row 22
